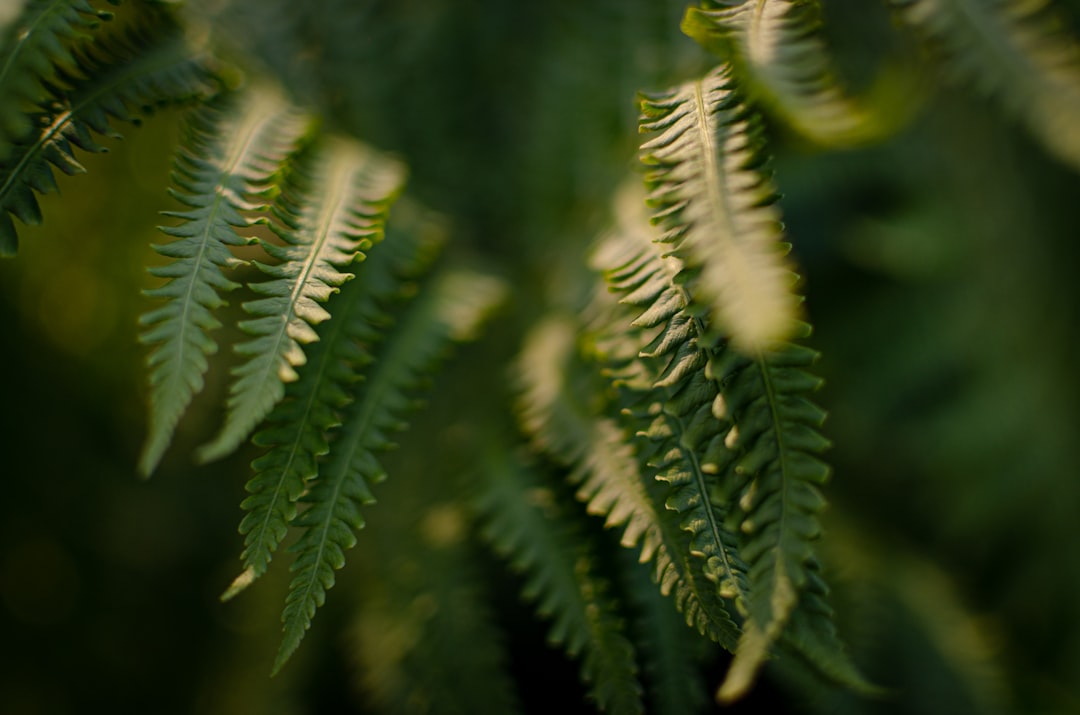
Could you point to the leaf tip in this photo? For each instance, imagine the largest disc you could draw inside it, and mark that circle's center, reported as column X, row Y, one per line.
column 151, row 456
column 241, row 582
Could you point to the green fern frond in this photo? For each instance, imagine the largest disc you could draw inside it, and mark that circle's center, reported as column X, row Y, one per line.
column 1016, row 50
column 776, row 435
column 716, row 204
column 32, row 46
column 333, row 209
column 232, row 149
column 778, row 47
column 749, row 422
column 669, row 401
column 551, row 382
column 450, row 310
column 684, row 443
column 116, row 79
column 298, row 427
column 525, row 525
column 610, row 478
column 811, row 637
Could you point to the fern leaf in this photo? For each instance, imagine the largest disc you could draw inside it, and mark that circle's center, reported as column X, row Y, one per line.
column 811, row 637
column 778, row 45
column 683, row 442
column 1015, row 50
column 449, row 311
column 551, row 413
column 776, row 434
column 748, row 420
column 232, row 150
column 716, row 206
column 297, row 428
column 670, row 404
column 333, row 210
column 116, row 79
column 33, row 45
column 525, row 525
column 609, row 477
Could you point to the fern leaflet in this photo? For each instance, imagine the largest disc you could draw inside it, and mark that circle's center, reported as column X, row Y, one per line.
column 333, row 209
column 748, row 421
column 297, row 428
column 779, row 48
column 1015, row 50
column 525, row 524
column 33, row 45
column 716, row 205
column 116, row 79
column 609, row 477
column 448, row 311
column 776, row 435
column 233, row 148
column 668, row 401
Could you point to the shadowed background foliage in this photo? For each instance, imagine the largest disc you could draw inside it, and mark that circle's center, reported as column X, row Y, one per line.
column 939, row 269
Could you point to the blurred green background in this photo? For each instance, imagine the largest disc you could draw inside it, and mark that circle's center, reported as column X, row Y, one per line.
column 940, row 271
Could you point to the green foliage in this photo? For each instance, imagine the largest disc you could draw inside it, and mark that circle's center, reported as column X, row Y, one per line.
column 36, row 48
column 450, row 309
column 116, row 78
column 716, row 206
column 233, row 149
column 736, row 440
column 333, row 207
column 526, row 523
column 664, row 497
column 778, row 47
column 1014, row 50
column 417, row 611
column 300, row 424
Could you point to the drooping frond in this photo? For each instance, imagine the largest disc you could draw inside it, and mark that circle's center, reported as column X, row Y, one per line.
column 811, row 637
column 716, row 205
column 777, row 438
column 738, row 441
column 232, row 149
column 1016, row 50
column 777, row 45
column 333, row 208
column 686, row 454
column 526, row 525
column 298, row 427
column 117, row 78
column 450, row 310
column 610, row 478
column 668, row 400
column 32, row 45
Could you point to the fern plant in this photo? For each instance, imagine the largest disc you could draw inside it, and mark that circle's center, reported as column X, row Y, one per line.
column 661, row 498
